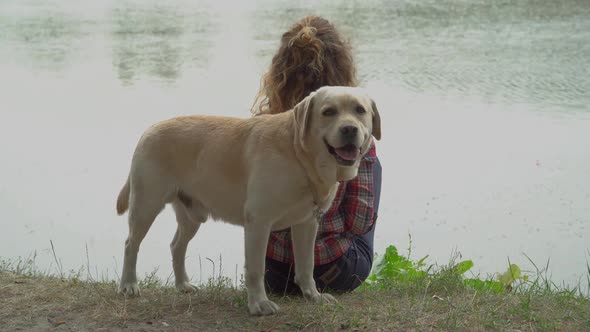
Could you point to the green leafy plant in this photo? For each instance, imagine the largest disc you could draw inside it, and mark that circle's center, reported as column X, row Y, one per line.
column 395, row 268
column 512, row 275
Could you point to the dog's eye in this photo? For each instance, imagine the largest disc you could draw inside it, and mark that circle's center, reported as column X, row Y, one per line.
column 360, row 110
column 329, row 112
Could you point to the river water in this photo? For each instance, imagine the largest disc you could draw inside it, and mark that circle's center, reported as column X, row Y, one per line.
column 486, row 123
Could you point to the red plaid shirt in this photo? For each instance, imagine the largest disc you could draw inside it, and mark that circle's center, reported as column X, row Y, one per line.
column 352, row 213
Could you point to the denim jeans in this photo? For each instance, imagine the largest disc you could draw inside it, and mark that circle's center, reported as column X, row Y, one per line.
column 342, row 275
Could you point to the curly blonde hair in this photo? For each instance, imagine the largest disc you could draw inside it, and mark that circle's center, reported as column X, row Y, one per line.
column 312, row 54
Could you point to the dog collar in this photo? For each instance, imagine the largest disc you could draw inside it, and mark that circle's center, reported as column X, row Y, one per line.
column 318, row 213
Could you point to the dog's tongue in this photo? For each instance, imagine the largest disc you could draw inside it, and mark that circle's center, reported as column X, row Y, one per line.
column 349, row 152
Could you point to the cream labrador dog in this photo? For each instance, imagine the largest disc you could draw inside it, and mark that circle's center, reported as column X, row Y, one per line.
column 265, row 173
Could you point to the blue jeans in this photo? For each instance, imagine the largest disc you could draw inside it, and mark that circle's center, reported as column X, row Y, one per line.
column 342, row 275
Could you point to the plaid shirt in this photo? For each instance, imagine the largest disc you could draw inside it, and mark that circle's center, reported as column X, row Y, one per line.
column 352, row 213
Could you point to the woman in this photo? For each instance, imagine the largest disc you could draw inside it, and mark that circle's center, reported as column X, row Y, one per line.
column 312, row 54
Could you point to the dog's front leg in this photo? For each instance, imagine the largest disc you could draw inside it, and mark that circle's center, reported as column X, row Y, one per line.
column 303, row 236
column 256, row 240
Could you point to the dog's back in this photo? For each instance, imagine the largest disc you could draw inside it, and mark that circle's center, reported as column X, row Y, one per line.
column 204, row 159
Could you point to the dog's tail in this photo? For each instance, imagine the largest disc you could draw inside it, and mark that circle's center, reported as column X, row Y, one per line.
column 123, row 199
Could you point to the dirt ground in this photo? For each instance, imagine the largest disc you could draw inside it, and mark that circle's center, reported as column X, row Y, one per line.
column 52, row 304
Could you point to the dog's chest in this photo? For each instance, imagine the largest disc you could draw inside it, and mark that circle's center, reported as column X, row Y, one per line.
column 305, row 209
column 298, row 212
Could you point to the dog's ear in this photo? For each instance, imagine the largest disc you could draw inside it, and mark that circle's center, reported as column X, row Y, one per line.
column 376, row 121
column 302, row 112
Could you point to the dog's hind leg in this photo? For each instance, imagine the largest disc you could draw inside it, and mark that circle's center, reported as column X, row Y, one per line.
column 144, row 207
column 189, row 215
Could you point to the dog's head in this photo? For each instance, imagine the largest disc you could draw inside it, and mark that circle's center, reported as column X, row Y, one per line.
column 335, row 125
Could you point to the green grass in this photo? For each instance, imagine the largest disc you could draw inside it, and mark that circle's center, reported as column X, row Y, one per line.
column 401, row 294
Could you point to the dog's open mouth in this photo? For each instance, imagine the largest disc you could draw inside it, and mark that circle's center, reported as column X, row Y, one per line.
column 345, row 155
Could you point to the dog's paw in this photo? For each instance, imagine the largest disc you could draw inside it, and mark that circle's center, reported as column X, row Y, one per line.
column 263, row 308
column 186, row 287
column 324, row 298
column 129, row 289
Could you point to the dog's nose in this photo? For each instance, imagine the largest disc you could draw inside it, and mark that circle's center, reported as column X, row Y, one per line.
column 349, row 131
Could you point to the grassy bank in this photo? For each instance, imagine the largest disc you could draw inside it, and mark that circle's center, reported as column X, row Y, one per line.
column 401, row 295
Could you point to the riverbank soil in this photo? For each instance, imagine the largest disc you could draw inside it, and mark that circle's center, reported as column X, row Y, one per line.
column 55, row 304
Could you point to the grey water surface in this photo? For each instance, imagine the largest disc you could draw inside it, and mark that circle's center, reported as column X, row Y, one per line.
column 485, row 110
